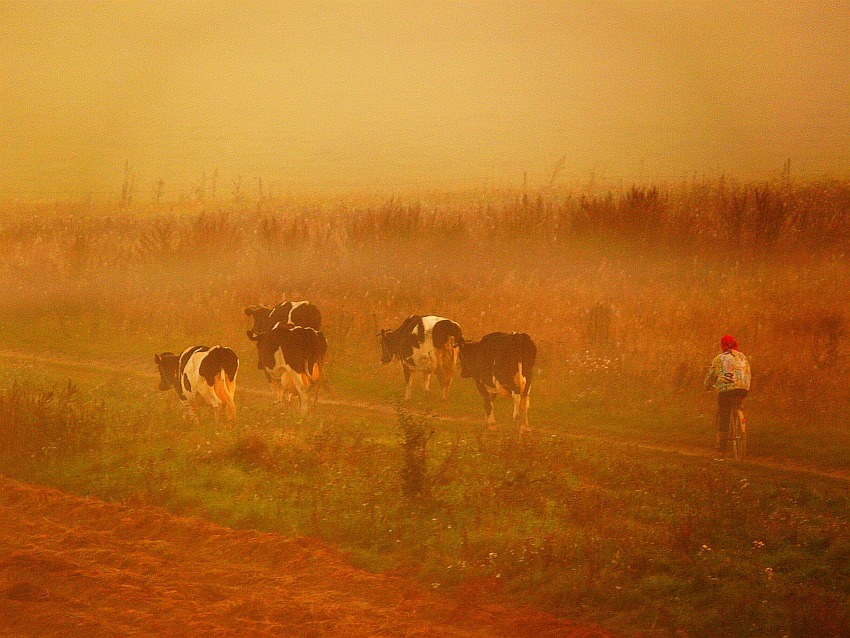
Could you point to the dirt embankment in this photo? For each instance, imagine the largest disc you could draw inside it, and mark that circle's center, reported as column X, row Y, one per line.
column 71, row 566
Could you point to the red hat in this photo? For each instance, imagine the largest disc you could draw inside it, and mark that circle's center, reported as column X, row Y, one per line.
column 728, row 343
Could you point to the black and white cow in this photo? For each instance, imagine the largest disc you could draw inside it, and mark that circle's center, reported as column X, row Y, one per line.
column 295, row 313
column 424, row 344
column 501, row 364
column 292, row 358
column 201, row 372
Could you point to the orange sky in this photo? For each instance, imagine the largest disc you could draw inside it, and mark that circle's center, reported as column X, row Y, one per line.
column 434, row 95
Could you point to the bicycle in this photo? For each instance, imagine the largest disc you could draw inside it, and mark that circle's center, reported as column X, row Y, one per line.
column 736, row 435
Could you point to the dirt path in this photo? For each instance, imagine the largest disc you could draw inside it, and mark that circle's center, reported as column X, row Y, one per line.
column 71, row 566
column 97, row 365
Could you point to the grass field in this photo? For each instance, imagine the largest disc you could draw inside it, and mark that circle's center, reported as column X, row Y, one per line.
column 612, row 511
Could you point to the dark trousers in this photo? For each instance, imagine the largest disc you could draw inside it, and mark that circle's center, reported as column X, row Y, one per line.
column 726, row 402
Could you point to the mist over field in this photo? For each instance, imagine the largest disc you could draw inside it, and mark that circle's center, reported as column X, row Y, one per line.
column 623, row 181
column 402, row 96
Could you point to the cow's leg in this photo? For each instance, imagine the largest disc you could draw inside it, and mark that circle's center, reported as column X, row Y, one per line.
column 426, row 382
column 439, row 371
column 309, row 388
column 408, row 379
column 525, row 400
column 446, row 385
column 208, row 394
column 521, row 411
column 301, row 389
column 489, row 419
column 445, row 370
column 224, row 389
column 289, row 389
column 191, row 413
column 444, row 376
column 314, row 382
column 230, row 399
column 277, row 389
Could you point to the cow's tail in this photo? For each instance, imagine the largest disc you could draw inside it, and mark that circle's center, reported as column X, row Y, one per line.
column 450, row 353
column 451, row 348
column 528, row 356
column 224, row 387
column 315, row 371
column 443, row 360
column 319, row 363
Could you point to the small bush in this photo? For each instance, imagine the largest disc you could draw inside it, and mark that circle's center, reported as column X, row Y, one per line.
column 414, row 433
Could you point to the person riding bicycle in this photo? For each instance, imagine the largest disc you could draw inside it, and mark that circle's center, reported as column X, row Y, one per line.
column 729, row 373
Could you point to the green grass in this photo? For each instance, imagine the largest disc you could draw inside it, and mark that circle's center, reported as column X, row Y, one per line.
column 595, row 529
column 585, row 404
column 611, row 511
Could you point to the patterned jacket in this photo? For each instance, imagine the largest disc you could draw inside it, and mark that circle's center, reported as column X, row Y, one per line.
column 729, row 370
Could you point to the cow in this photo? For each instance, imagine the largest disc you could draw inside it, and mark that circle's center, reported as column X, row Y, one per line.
column 292, row 358
column 501, row 364
column 424, row 344
column 201, row 372
column 296, row 313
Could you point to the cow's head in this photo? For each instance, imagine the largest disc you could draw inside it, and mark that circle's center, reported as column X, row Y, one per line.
column 267, row 343
column 466, row 358
column 262, row 320
column 167, row 364
column 386, row 349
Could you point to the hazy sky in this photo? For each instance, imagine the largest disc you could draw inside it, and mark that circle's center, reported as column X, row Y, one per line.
column 436, row 95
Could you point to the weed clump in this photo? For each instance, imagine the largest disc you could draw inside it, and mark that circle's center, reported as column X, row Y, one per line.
column 414, row 434
column 40, row 424
column 251, row 451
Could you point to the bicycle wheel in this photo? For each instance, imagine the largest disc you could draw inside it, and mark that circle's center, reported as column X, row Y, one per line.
column 742, row 431
column 736, row 435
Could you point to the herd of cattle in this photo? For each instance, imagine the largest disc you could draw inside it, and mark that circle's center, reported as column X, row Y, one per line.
column 291, row 348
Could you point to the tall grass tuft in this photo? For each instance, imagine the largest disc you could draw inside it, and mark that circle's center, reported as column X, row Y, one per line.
column 38, row 425
column 414, row 434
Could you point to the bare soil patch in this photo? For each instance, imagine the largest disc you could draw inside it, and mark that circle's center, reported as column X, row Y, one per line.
column 71, row 566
